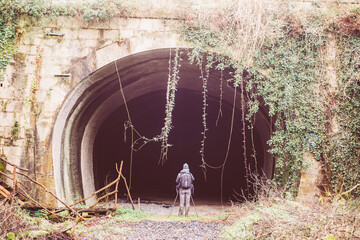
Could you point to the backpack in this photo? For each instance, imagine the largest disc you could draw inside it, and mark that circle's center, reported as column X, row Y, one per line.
column 185, row 181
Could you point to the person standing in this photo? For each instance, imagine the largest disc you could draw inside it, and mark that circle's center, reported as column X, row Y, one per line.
column 185, row 188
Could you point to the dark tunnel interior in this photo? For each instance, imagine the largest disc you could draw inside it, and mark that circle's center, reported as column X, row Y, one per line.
column 151, row 180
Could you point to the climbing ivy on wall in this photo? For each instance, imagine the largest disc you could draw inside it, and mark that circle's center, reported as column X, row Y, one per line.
column 17, row 16
column 288, row 75
column 343, row 152
column 7, row 38
column 277, row 57
column 292, row 66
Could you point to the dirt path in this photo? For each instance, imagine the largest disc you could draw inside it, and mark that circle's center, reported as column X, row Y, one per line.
column 166, row 209
column 173, row 230
column 163, row 223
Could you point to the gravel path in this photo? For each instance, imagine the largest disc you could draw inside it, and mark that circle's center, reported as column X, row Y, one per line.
column 152, row 230
column 166, row 224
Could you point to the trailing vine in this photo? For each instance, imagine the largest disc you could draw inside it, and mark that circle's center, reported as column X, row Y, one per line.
column 173, row 79
column 220, row 113
column 344, row 151
column 17, row 16
column 277, row 62
column 15, row 132
column 287, row 75
column 36, row 78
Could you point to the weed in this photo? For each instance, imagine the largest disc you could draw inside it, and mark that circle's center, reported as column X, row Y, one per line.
column 15, row 132
column 129, row 215
column 280, row 218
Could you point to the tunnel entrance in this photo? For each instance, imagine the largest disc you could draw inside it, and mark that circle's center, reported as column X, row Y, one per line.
column 90, row 132
column 153, row 180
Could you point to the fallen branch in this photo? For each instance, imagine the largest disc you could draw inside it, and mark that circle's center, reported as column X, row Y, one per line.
column 48, row 191
column 352, row 189
column 14, row 185
column 102, row 189
column 8, row 194
column 102, row 197
column 79, row 210
column 3, row 202
column 128, row 191
column 117, row 183
column 11, row 179
column 43, row 207
column 14, row 165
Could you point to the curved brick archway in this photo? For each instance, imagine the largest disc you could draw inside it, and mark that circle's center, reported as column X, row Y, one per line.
column 95, row 101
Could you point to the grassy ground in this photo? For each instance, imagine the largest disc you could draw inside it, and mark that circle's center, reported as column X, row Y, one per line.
column 280, row 218
column 268, row 218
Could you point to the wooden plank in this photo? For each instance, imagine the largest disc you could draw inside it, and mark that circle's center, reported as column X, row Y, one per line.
column 4, row 192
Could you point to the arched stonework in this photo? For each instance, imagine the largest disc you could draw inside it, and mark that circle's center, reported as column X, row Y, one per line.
column 98, row 95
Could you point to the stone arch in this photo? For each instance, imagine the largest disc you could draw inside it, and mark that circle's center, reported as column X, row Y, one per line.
column 97, row 96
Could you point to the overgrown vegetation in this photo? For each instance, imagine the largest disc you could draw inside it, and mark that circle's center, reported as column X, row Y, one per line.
column 343, row 150
column 278, row 54
column 17, row 17
column 15, row 131
column 280, row 61
column 275, row 217
column 23, row 224
column 17, row 224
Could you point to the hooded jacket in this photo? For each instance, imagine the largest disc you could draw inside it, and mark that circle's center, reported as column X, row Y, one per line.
column 184, row 170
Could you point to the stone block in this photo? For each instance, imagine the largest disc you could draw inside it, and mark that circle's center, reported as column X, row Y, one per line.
column 132, row 23
column 3, row 141
column 115, row 23
column 34, row 50
column 30, row 61
column 6, row 132
column 49, row 22
column 56, row 98
column 29, row 38
column 106, row 43
column 7, row 119
column 69, row 34
column 37, row 41
column 65, row 22
column 50, row 42
column 48, row 70
column 109, row 54
column 89, row 34
column 111, row 34
column 74, row 49
column 90, row 43
column 126, row 33
column 71, row 43
column 7, row 91
column 14, row 106
column 21, row 142
column 308, row 189
column 13, row 154
column 24, row 49
column 44, row 127
column 158, row 25
column 146, row 25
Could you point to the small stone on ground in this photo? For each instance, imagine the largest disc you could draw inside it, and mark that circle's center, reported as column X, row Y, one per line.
column 173, row 230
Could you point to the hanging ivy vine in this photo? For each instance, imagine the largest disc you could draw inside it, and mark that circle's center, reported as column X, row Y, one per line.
column 287, row 75
column 277, row 58
column 343, row 152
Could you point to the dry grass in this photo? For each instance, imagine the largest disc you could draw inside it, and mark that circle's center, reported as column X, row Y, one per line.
column 17, row 225
column 10, row 221
column 349, row 24
column 242, row 25
column 276, row 217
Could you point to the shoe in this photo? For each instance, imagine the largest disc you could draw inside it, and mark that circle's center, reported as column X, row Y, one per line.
column 187, row 211
column 181, row 210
